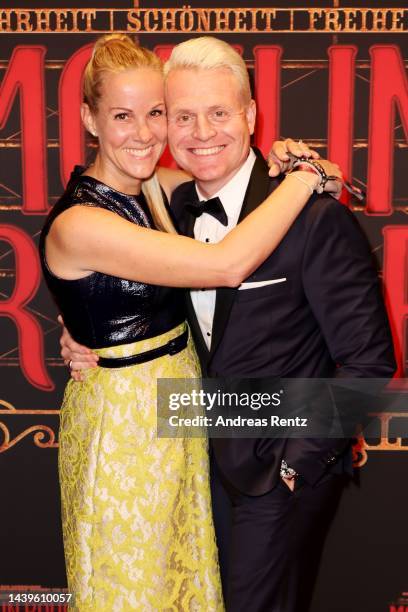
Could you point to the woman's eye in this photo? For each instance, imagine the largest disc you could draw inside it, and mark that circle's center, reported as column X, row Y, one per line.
column 121, row 116
column 157, row 112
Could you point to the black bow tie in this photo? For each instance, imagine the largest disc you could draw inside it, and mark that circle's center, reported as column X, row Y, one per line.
column 212, row 207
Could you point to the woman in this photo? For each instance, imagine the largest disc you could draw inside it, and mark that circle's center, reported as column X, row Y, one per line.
column 136, row 510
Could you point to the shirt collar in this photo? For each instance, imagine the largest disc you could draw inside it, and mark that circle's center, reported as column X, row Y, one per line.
column 232, row 194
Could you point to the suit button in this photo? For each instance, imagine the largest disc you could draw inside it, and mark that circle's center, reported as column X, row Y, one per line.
column 331, row 460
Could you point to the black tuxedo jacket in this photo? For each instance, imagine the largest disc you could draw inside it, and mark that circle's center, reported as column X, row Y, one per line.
column 327, row 318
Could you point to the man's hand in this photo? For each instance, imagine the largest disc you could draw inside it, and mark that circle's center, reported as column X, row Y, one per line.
column 284, row 152
column 76, row 355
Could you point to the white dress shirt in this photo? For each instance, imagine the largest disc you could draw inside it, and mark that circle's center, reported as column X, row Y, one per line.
column 208, row 229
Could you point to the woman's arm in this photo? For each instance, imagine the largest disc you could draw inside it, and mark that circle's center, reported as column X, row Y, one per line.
column 105, row 242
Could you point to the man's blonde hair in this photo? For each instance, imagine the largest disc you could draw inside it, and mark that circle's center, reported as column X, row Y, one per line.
column 210, row 53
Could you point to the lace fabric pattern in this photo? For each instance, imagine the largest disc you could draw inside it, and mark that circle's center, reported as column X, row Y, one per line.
column 136, row 510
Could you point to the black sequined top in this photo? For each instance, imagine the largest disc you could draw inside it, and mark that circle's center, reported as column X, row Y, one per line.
column 101, row 310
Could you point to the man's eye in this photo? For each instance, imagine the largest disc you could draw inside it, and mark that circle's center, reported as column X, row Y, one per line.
column 121, row 116
column 184, row 118
column 220, row 114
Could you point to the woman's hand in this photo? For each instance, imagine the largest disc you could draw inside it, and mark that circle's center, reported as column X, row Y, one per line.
column 76, row 356
column 311, row 173
column 284, row 152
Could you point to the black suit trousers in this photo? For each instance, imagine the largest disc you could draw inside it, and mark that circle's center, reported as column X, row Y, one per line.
column 270, row 545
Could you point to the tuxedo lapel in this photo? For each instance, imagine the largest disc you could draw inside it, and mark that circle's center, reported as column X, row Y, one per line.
column 199, row 341
column 258, row 186
column 257, row 191
column 185, row 220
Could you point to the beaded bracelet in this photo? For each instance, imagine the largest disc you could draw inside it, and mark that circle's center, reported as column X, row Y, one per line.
column 304, row 163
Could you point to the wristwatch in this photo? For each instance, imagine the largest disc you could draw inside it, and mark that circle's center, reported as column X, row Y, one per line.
column 286, row 471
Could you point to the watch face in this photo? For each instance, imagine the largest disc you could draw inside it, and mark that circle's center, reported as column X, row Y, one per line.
column 288, row 473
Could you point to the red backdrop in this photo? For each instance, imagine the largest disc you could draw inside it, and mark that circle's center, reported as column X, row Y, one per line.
column 336, row 76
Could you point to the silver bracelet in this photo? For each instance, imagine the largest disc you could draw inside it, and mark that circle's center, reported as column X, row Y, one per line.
column 302, row 180
column 317, row 168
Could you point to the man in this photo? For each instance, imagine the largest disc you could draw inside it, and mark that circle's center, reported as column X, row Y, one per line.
column 315, row 303
column 312, row 309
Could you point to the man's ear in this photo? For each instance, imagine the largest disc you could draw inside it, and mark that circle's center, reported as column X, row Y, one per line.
column 88, row 119
column 251, row 116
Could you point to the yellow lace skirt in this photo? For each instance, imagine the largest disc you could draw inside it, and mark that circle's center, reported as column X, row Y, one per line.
column 136, row 510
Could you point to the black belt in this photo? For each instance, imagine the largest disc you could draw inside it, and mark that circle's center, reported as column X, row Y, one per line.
column 171, row 348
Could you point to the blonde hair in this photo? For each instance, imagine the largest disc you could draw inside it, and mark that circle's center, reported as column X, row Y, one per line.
column 116, row 53
column 210, row 53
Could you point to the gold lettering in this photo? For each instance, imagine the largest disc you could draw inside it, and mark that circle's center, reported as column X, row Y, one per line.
column 23, row 22
column 169, row 21
column 74, row 14
column 203, row 20
column 186, row 19
column 268, row 15
column 221, row 19
column 43, row 21
column 153, row 21
column 134, row 22
column 241, row 20
column 351, row 20
column 292, row 20
column 379, row 20
column 190, row 19
column 317, row 19
column 89, row 16
column 253, row 16
column 5, row 21
column 332, row 21
column 398, row 20
column 62, row 18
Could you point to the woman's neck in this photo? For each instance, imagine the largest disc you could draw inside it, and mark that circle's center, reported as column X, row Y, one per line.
column 113, row 178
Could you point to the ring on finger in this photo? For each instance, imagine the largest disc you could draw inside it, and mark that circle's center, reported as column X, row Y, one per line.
column 70, row 364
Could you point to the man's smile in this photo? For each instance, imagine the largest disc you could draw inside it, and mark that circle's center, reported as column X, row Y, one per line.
column 201, row 151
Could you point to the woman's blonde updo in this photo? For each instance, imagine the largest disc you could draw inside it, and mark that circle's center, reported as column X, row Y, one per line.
column 115, row 53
